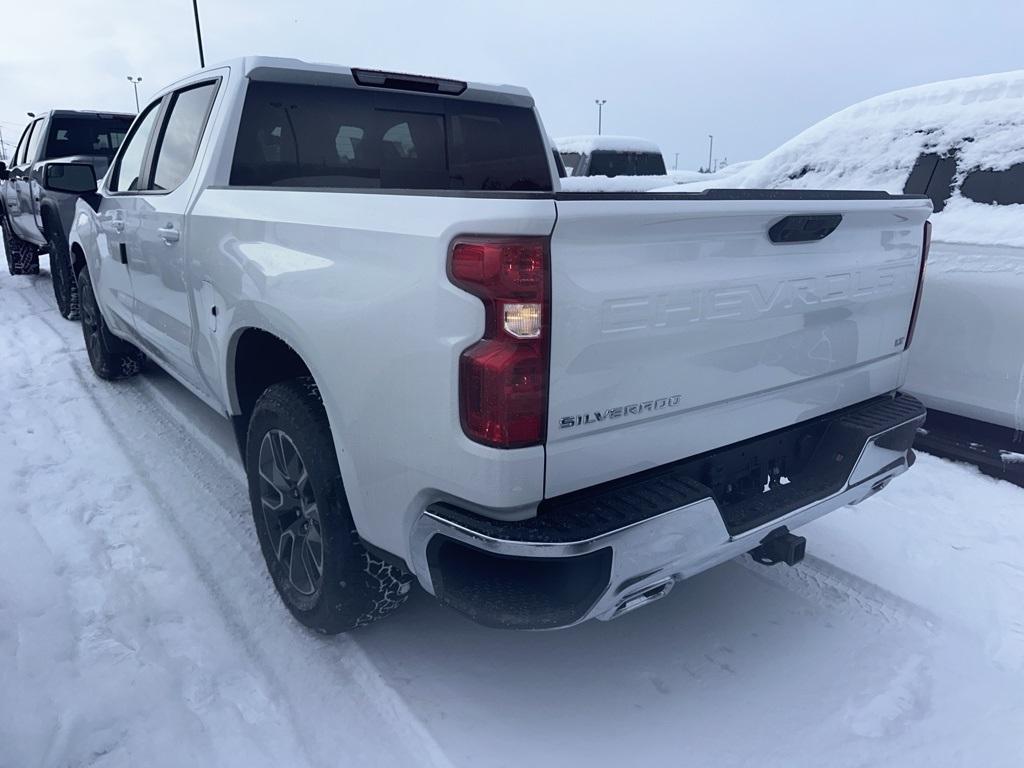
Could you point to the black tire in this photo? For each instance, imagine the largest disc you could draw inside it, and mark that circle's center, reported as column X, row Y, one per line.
column 65, row 284
column 111, row 358
column 300, row 509
column 22, row 257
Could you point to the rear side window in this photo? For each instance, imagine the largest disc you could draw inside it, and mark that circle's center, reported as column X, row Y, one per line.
column 932, row 175
column 1004, row 187
column 604, row 163
column 294, row 135
column 183, row 129
column 86, row 136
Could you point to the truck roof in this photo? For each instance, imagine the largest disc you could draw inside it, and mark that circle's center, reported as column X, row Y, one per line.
column 82, row 113
column 296, row 70
column 585, row 144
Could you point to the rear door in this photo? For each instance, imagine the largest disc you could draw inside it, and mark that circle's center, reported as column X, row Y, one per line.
column 162, row 307
column 679, row 326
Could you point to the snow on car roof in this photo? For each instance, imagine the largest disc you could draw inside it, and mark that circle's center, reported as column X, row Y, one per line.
column 873, row 145
column 587, row 144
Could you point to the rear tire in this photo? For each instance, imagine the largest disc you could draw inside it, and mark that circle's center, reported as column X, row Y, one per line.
column 65, row 285
column 111, row 358
column 322, row 571
column 22, row 257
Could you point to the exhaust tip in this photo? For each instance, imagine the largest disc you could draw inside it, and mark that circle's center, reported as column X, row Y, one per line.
column 643, row 597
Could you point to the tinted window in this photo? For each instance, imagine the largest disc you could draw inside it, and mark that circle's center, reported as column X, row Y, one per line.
column 19, row 151
column 129, row 168
column 86, row 136
column 182, row 132
column 312, row 136
column 1004, row 187
column 604, row 163
column 34, row 141
column 932, row 175
column 571, row 160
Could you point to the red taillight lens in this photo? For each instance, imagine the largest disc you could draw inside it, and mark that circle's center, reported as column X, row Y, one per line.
column 920, row 282
column 503, row 378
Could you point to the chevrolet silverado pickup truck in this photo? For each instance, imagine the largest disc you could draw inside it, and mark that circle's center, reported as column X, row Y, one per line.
column 544, row 407
column 37, row 203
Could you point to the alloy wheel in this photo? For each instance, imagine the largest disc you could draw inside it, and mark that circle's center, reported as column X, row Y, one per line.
column 290, row 512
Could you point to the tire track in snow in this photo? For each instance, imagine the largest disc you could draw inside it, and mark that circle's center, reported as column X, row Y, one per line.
column 222, row 479
column 839, row 590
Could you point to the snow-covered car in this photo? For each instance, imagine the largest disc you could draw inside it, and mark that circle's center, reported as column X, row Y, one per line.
column 545, row 406
column 601, row 163
column 37, row 197
column 961, row 143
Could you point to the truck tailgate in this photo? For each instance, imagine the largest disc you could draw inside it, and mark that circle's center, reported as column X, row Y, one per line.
column 679, row 326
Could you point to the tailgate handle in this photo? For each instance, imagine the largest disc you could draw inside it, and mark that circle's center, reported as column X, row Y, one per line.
column 804, row 229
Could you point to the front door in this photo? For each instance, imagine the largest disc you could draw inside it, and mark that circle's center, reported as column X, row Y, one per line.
column 22, row 210
column 119, row 220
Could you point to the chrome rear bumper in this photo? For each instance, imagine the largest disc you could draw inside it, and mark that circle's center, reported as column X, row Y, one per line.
column 531, row 576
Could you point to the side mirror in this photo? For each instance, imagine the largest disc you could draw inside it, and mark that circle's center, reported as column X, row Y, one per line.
column 73, row 178
column 4, row 173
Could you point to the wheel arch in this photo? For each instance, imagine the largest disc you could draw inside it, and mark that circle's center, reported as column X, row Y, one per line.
column 258, row 358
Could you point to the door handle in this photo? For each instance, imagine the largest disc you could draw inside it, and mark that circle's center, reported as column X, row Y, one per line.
column 115, row 221
column 168, row 234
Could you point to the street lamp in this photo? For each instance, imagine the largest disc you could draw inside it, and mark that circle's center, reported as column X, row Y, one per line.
column 135, row 84
column 711, row 144
column 600, row 106
column 199, row 34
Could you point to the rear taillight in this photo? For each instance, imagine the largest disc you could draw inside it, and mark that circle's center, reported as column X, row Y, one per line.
column 920, row 282
column 503, row 378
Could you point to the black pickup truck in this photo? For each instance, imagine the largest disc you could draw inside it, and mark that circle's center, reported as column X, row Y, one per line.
column 37, row 201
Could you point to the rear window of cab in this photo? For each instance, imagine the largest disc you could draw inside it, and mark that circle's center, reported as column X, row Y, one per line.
column 295, row 135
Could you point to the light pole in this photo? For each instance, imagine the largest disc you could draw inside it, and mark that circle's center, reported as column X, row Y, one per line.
column 600, row 107
column 711, row 144
column 199, row 33
column 135, row 84
column 675, row 165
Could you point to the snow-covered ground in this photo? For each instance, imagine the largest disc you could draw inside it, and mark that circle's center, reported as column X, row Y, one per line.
column 138, row 626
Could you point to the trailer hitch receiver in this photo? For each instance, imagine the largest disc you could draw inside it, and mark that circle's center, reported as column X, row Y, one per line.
column 780, row 546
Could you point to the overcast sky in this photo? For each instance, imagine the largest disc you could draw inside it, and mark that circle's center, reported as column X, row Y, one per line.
column 752, row 72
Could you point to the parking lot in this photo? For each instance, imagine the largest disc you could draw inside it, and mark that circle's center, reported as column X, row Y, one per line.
column 138, row 624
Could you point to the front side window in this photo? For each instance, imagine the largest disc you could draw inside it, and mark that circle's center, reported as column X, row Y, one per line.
column 571, row 160
column 92, row 136
column 128, row 172
column 19, row 153
column 330, row 137
column 34, row 141
column 183, row 130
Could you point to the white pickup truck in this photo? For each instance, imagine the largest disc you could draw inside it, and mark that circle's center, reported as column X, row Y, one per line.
column 543, row 406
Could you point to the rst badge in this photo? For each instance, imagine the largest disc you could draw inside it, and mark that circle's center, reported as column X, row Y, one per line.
column 633, row 409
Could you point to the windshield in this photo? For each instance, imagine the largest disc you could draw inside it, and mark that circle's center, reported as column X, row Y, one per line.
column 606, row 163
column 86, row 136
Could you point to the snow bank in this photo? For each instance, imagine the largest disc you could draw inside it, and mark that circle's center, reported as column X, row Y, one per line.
column 874, row 145
column 587, row 144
